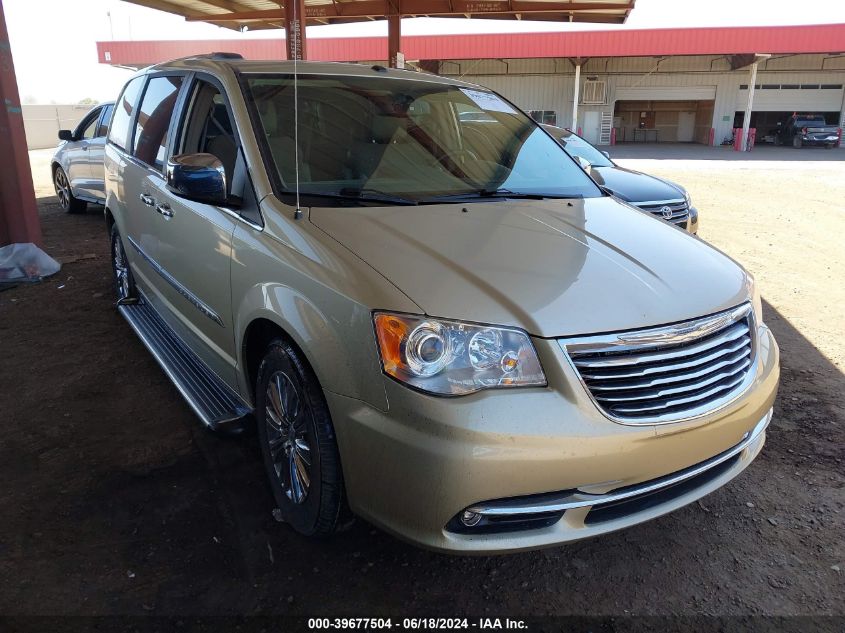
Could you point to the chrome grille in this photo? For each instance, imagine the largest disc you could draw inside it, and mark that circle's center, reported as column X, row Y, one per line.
column 680, row 212
column 668, row 373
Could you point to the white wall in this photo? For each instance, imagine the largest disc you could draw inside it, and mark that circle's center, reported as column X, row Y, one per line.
column 43, row 122
column 547, row 84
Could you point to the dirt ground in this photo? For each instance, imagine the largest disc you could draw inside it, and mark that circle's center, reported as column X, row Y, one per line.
column 114, row 500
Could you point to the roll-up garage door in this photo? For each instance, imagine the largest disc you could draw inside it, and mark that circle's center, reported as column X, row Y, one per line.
column 679, row 93
column 808, row 98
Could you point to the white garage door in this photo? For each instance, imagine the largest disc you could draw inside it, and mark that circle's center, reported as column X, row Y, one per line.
column 790, row 99
column 680, row 93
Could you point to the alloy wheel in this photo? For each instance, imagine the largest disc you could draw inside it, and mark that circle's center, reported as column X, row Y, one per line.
column 62, row 188
column 121, row 269
column 287, row 436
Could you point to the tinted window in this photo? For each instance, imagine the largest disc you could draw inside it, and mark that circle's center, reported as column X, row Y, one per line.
column 89, row 126
column 208, row 128
column 154, row 118
column 405, row 138
column 575, row 146
column 119, row 129
column 103, row 128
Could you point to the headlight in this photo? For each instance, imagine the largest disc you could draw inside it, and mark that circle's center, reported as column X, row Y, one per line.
column 454, row 358
column 687, row 199
column 756, row 299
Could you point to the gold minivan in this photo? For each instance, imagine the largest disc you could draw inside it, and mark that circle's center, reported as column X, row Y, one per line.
column 448, row 330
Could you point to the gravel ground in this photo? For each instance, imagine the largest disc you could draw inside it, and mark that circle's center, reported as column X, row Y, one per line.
column 115, row 501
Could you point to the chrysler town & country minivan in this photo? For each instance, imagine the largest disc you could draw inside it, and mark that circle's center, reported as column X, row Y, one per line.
column 450, row 332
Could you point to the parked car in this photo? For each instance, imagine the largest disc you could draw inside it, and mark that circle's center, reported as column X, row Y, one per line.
column 807, row 129
column 77, row 165
column 459, row 338
column 658, row 196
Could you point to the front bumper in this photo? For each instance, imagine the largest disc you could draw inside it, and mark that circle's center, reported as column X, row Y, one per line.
column 692, row 225
column 820, row 139
column 413, row 469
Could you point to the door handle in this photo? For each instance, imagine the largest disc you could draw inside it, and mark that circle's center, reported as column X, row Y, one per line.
column 165, row 210
column 147, row 199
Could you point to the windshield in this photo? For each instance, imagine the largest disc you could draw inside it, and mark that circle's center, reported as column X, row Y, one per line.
column 371, row 137
column 576, row 146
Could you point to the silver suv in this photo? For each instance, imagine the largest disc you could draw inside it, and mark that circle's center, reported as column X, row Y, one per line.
column 77, row 165
column 449, row 331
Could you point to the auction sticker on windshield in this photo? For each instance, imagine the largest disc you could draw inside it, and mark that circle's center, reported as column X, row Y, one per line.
column 488, row 101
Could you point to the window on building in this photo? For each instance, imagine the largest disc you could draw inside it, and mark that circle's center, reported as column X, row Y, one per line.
column 545, row 117
column 594, row 92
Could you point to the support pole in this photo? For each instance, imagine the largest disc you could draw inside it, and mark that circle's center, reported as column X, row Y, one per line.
column 576, row 93
column 394, row 38
column 746, row 120
column 295, row 29
column 19, row 222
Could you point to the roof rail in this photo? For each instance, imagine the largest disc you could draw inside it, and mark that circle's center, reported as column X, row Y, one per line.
column 220, row 55
column 217, row 55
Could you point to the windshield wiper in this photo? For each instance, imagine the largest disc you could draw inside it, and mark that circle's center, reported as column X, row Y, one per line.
column 501, row 193
column 356, row 195
column 367, row 193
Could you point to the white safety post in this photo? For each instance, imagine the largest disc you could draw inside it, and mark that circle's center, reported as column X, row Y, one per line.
column 574, row 127
column 746, row 120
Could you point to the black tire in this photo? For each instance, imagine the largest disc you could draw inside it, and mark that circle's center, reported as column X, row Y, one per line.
column 124, row 282
column 797, row 142
column 778, row 140
column 829, row 145
column 296, row 435
column 67, row 201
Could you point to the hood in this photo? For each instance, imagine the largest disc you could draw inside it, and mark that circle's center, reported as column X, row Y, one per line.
column 633, row 186
column 551, row 267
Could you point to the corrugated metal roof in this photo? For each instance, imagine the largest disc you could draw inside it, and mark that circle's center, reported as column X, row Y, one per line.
column 264, row 14
column 825, row 38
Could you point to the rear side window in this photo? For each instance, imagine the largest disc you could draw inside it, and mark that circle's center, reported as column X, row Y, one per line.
column 154, row 116
column 123, row 109
column 104, row 121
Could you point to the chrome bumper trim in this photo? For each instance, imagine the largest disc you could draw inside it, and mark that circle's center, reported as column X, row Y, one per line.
column 568, row 501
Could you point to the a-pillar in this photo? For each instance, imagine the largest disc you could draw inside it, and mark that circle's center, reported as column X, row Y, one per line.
column 295, row 29
column 19, row 221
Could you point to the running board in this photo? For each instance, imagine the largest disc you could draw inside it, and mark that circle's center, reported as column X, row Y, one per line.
column 216, row 404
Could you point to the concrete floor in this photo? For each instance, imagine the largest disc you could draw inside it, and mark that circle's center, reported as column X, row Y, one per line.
column 693, row 151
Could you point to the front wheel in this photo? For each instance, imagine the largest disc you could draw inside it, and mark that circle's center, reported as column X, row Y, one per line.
column 797, row 142
column 298, row 443
column 124, row 283
column 67, row 201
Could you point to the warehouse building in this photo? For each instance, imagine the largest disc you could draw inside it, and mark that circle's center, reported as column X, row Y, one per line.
column 648, row 86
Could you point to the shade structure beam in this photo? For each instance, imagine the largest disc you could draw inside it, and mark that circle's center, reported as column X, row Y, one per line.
column 408, row 8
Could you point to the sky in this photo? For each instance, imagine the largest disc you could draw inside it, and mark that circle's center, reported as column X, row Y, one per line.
column 54, row 41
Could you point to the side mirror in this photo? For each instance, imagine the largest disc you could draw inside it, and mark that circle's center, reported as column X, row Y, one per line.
column 65, row 135
column 585, row 164
column 198, row 177
column 606, row 154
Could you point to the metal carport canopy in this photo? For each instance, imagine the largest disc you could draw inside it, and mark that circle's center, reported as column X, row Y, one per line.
column 293, row 15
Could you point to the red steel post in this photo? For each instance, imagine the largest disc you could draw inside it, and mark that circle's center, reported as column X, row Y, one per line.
column 19, row 222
